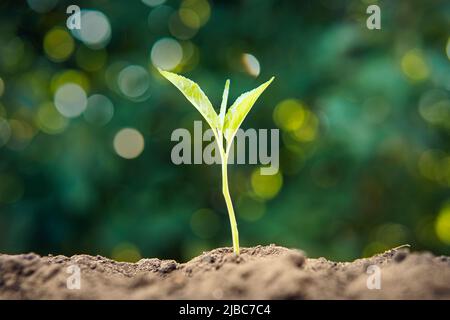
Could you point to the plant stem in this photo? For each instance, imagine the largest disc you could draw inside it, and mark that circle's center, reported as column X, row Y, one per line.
column 226, row 195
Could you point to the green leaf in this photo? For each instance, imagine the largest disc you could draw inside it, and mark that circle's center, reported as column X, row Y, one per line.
column 195, row 95
column 239, row 110
column 223, row 106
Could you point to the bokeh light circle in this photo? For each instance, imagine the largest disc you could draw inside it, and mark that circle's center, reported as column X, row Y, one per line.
column 434, row 107
column 58, row 44
column 289, row 114
column 49, row 120
column 21, row 134
column 180, row 29
column 70, row 100
column 166, row 53
column 95, row 29
column 251, row 64
column 266, row 186
column 133, row 81
column 414, row 65
column 128, row 143
column 442, row 225
column 99, row 111
column 190, row 18
column 201, row 8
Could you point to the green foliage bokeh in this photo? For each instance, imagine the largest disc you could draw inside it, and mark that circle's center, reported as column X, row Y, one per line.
column 364, row 119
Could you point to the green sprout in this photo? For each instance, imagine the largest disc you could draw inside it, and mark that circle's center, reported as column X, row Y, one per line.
column 223, row 126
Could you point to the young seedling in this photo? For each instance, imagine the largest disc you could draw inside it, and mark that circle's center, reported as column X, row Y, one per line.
column 224, row 125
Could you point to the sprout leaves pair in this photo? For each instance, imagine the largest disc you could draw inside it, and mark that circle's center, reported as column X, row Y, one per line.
column 224, row 125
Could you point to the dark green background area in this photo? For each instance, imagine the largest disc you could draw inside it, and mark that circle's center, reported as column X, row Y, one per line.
column 376, row 174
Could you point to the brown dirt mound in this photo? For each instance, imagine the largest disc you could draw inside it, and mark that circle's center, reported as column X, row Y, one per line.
column 262, row 272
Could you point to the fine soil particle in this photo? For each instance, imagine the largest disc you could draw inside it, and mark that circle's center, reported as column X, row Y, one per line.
column 262, row 272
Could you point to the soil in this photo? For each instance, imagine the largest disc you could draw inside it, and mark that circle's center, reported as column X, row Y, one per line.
column 262, row 272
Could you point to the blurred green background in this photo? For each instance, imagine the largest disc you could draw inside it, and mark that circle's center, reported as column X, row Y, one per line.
column 85, row 126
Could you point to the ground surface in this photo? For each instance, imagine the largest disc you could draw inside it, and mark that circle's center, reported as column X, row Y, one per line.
column 263, row 272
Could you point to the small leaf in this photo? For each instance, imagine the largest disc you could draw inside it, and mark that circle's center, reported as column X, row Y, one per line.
column 239, row 110
column 223, row 106
column 195, row 95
